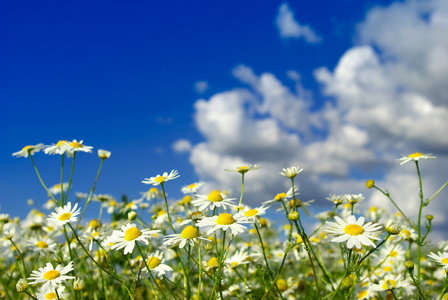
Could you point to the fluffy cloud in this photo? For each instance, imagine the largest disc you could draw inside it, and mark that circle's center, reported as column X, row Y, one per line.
column 388, row 96
column 182, row 146
column 290, row 28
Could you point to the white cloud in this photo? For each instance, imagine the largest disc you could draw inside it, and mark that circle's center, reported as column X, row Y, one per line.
column 182, row 146
column 201, row 87
column 290, row 28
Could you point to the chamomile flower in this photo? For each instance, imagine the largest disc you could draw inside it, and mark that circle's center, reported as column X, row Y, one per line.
column 132, row 205
column 50, row 294
column 155, row 263
column 225, row 222
column 103, row 198
column 75, row 146
column 212, row 200
column 336, row 199
column 189, row 235
column 56, row 189
column 28, row 150
column 280, row 197
column 161, row 178
column 103, row 154
column 51, row 277
column 390, row 282
column 252, row 214
column 241, row 257
column 43, row 245
column 152, row 193
column 192, row 188
column 352, row 198
column 128, row 235
column 244, row 169
column 441, row 258
column 291, row 172
column 59, row 148
column 414, row 157
column 64, row 215
column 355, row 232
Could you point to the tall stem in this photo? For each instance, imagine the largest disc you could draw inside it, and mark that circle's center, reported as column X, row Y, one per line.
column 41, row 181
column 167, row 208
column 419, row 226
column 71, row 176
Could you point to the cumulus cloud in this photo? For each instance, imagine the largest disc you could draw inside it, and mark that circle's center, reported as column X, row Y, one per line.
column 290, row 28
column 387, row 97
column 201, row 87
column 182, row 146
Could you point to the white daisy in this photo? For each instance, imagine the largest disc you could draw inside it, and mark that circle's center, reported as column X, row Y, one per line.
column 355, row 232
column 28, row 150
column 155, row 263
column 441, row 258
column 59, row 148
column 244, row 169
column 51, row 277
column 56, row 189
column 280, row 197
column 239, row 258
column 42, row 245
column 192, row 188
column 352, row 198
column 128, row 236
column 103, row 154
column 225, row 222
column 291, row 172
column 252, row 214
column 161, row 178
column 414, row 157
column 50, row 294
column 103, row 198
column 390, row 282
column 212, row 200
column 188, row 235
column 336, row 199
column 75, row 146
column 152, row 193
column 64, row 215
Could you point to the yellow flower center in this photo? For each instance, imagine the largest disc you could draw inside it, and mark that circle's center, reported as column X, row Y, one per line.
column 41, row 244
column 251, row 213
column 225, row 219
column 95, row 234
column 192, row 185
column 75, row 145
column 263, row 222
column 214, row 196
column 61, row 143
column 51, row 295
column 132, row 233
column 234, row 264
column 406, row 232
column 93, row 223
column 52, row 274
column 161, row 212
column 153, row 190
column 388, row 284
column 414, row 155
column 160, row 179
column 242, row 169
column 189, row 232
column 445, row 260
column 187, row 199
column 373, row 209
column 153, row 262
column 361, row 294
column 393, row 253
column 282, row 285
column 26, row 148
column 387, row 269
column 65, row 216
column 353, row 229
column 298, row 203
column 213, row 262
column 299, row 239
column 280, row 197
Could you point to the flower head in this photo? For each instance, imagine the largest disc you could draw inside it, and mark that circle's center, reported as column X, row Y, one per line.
column 155, row 263
column 128, row 236
column 50, row 276
column 64, row 215
column 159, row 179
column 414, row 157
column 59, row 148
column 103, row 154
column 192, row 188
column 291, row 172
column 212, row 200
column 189, row 235
column 243, row 169
column 225, row 222
column 355, row 232
column 28, row 150
column 75, row 146
column 441, row 258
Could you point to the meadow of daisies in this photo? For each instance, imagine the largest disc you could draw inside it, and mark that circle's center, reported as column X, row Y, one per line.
column 215, row 246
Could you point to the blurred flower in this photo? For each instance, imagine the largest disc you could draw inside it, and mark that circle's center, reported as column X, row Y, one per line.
column 29, row 150
column 75, row 146
column 103, row 154
column 291, row 172
column 56, row 189
column 441, row 258
column 192, row 188
column 161, row 178
column 244, row 169
column 414, row 157
column 59, row 148
column 50, row 293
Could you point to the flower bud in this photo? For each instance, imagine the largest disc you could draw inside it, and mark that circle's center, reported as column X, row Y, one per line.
column 409, row 265
column 78, row 284
column 370, row 183
column 429, row 218
column 103, row 154
column 132, row 215
column 21, row 285
column 393, row 227
column 347, row 282
column 294, row 215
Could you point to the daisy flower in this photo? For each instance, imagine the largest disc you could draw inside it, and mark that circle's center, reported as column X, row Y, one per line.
column 103, row 154
column 128, row 236
column 291, row 172
column 252, row 214
column 352, row 198
column 336, row 199
column 42, row 245
column 225, row 222
column 214, row 199
column 189, row 235
column 153, row 193
column 103, row 198
column 51, row 277
column 239, row 258
column 56, row 189
column 441, row 258
column 64, row 215
column 355, row 232
column 131, row 205
column 192, row 188
column 390, row 282
column 155, row 263
column 161, row 178
column 414, row 157
column 244, row 169
column 28, row 150
column 59, row 148
column 280, row 197
column 50, row 294
column 75, row 146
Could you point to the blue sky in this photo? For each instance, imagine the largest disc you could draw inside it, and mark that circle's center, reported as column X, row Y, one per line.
column 338, row 87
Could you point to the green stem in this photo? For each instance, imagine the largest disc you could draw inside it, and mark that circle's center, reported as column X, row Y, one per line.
column 21, row 258
column 71, row 176
column 419, row 229
column 242, row 191
column 433, row 196
column 200, row 273
column 41, row 181
column 62, row 179
column 167, row 208
column 149, row 271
